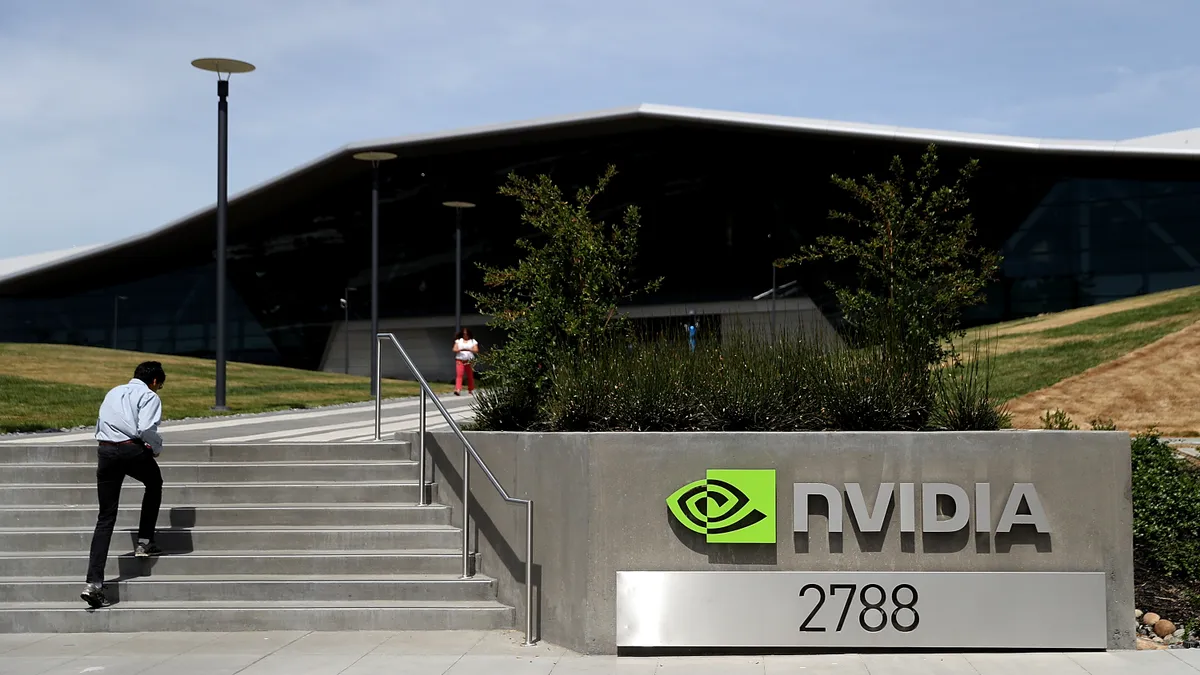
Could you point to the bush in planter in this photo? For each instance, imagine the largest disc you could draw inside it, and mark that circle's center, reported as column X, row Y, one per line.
column 912, row 253
column 963, row 399
column 560, row 298
column 747, row 382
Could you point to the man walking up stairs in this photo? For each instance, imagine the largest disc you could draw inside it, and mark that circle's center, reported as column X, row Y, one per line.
column 127, row 430
column 268, row 536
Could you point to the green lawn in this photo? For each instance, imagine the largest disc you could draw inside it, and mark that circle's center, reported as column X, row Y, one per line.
column 61, row 386
column 1025, row 362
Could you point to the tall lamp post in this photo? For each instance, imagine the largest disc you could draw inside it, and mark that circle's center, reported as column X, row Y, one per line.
column 346, row 325
column 226, row 67
column 374, row 158
column 458, row 207
column 116, row 299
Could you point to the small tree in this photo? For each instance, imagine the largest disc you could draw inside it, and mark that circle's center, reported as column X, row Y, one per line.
column 916, row 266
column 561, row 297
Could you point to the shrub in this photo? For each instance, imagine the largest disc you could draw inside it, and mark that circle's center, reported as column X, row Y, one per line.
column 1166, row 509
column 915, row 264
column 1103, row 424
column 561, row 297
column 1058, row 421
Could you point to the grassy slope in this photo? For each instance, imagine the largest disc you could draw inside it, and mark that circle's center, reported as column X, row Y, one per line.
column 60, row 386
column 1031, row 359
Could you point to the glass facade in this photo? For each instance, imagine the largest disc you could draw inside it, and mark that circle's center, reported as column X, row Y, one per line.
column 718, row 205
column 1094, row 240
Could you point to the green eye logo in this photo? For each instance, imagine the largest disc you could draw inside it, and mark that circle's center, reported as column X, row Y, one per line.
column 730, row 506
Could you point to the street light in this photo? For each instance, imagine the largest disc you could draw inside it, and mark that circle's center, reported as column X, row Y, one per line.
column 774, row 291
column 346, row 330
column 116, row 299
column 458, row 207
column 226, row 67
column 374, row 158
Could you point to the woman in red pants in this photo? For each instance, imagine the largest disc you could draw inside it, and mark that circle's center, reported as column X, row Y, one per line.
column 465, row 349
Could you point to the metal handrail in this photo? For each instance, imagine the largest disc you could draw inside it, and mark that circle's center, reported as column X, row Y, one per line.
column 468, row 453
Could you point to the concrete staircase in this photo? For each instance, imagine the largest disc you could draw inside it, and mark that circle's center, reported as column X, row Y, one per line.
column 257, row 537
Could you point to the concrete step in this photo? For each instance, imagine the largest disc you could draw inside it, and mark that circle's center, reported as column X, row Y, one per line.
column 33, row 452
column 329, row 492
column 219, row 472
column 252, row 588
column 127, row 617
column 265, row 538
column 121, row 563
column 225, row 515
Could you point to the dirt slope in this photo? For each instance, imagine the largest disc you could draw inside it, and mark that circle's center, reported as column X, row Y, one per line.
column 1157, row 385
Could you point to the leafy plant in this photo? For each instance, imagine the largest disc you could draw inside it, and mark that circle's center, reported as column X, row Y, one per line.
column 560, row 298
column 1103, row 424
column 1166, row 509
column 917, row 269
column 1058, row 421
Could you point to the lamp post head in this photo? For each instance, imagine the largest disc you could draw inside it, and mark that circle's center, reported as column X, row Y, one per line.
column 224, row 67
column 374, row 156
column 458, row 205
column 122, row 297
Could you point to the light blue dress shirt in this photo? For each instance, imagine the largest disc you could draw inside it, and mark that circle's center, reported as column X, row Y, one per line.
column 131, row 411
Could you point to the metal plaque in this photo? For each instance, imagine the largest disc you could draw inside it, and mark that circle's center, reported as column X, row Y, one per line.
column 973, row 610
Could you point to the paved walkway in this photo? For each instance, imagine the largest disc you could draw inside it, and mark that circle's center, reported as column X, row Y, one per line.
column 497, row 653
column 350, row 423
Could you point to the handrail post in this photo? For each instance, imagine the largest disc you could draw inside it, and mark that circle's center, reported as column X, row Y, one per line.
column 466, row 516
column 378, row 389
column 421, row 448
column 529, row 573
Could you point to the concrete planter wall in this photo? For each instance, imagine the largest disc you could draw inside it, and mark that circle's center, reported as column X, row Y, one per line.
column 600, row 507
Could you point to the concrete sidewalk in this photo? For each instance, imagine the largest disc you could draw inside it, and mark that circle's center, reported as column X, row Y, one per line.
column 334, row 424
column 497, row 653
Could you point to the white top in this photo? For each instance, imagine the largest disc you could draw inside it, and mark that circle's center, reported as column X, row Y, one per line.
column 131, row 411
column 463, row 347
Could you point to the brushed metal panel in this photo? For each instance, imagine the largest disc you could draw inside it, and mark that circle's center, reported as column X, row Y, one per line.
column 975, row 610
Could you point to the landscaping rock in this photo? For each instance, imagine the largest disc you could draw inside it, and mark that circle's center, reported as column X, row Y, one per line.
column 1163, row 628
column 1144, row 644
column 1150, row 618
column 1179, row 633
column 1137, row 613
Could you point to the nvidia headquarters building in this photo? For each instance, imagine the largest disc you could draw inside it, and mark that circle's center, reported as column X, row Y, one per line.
column 722, row 195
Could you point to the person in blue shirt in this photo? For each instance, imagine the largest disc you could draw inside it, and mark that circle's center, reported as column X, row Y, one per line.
column 127, row 431
column 691, row 332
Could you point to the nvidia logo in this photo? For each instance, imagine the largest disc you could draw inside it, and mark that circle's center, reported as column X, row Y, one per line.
column 730, row 506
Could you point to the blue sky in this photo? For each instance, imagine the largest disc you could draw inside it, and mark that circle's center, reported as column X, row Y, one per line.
column 106, row 131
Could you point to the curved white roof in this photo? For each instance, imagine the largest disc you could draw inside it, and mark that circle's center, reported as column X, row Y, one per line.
column 1182, row 144
column 10, row 267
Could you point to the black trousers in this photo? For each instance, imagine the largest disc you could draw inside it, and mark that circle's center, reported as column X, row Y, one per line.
column 116, row 462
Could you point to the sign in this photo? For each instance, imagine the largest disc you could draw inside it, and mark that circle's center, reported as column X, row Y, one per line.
column 730, row 506
column 968, row 610
column 870, row 518
column 737, row 506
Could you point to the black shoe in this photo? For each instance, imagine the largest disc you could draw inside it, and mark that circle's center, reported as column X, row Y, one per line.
column 147, row 550
column 458, row 393
column 93, row 595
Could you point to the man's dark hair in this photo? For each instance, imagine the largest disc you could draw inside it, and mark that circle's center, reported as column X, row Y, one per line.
column 150, row 371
